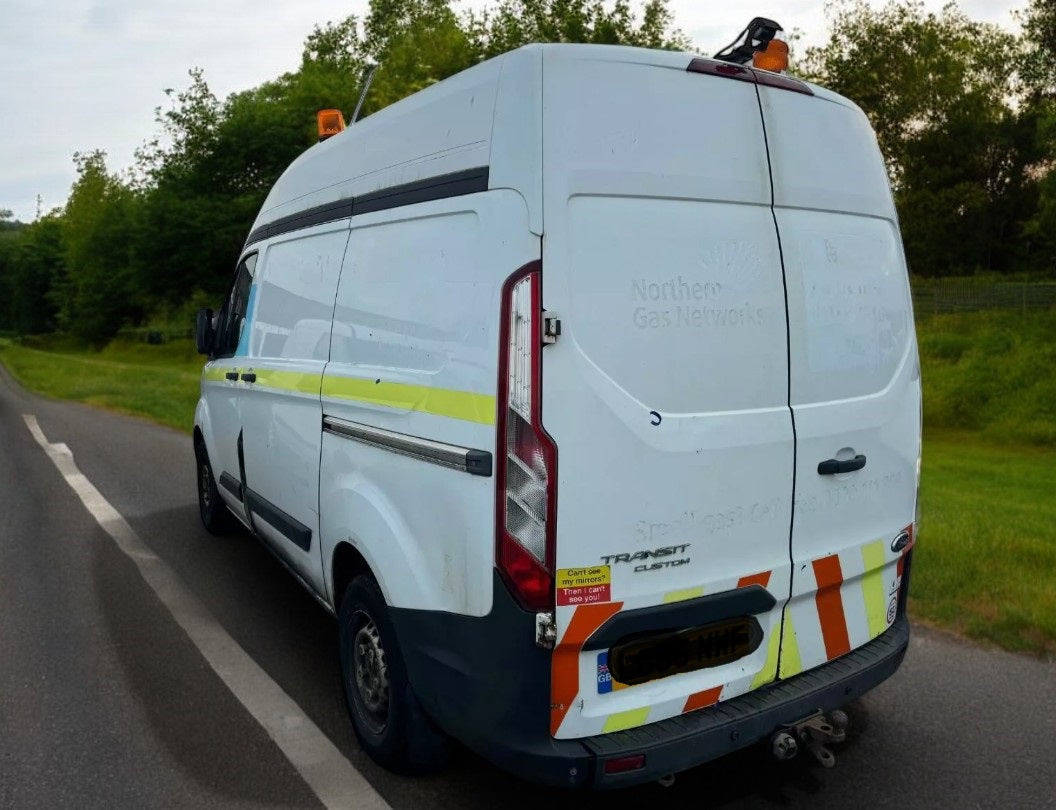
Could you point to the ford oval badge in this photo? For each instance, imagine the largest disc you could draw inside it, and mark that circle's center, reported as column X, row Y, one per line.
column 900, row 542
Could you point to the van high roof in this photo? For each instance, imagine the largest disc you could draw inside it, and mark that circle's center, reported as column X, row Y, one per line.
column 465, row 128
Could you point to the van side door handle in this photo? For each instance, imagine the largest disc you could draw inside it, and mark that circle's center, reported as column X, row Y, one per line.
column 231, row 375
column 832, row 466
column 251, row 377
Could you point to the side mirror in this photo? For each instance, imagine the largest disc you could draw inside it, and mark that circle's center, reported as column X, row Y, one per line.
column 204, row 332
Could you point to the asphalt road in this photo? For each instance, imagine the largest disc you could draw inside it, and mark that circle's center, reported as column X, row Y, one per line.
column 105, row 700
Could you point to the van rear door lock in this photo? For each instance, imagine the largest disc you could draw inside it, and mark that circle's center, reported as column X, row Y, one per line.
column 551, row 328
column 545, row 630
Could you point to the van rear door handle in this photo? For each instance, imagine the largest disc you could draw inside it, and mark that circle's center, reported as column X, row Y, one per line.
column 231, row 375
column 832, row 466
column 251, row 377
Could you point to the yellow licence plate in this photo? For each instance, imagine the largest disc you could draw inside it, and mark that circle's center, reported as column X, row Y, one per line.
column 648, row 659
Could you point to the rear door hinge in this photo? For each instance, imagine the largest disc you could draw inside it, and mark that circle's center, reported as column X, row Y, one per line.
column 551, row 328
column 545, row 630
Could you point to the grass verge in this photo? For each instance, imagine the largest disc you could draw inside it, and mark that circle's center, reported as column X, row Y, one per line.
column 986, row 563
column 158, row 382
column 991, row 373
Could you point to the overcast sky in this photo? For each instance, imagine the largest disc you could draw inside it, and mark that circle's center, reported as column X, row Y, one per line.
column 77, row 75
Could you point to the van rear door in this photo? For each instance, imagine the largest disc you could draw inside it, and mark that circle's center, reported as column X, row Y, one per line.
column 854, row 376
column 667, row 390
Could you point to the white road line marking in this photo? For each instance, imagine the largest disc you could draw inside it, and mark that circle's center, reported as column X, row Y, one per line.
column 327, row 771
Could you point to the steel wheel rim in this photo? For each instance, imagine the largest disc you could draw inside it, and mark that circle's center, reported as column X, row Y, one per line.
column 370, row 674
column 204, row 481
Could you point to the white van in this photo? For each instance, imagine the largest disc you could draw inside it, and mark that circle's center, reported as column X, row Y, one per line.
column 582, row 387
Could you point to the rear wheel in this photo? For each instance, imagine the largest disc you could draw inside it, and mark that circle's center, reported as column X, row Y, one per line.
column 215, row 516
column 386, row 715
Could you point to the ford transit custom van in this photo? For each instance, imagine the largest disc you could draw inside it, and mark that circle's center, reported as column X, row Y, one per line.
column 582, row 388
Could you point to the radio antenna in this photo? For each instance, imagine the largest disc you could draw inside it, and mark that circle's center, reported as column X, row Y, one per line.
column 363, row 94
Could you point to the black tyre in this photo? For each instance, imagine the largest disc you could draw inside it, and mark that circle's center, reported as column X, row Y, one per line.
column 386, row 715
column 215, row 516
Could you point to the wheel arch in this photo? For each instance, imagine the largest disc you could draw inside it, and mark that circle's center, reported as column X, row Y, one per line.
column 346, row 563
column 202, row 426
column 357, row 511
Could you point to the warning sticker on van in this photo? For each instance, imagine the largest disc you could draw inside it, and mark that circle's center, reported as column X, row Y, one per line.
column 582, row 586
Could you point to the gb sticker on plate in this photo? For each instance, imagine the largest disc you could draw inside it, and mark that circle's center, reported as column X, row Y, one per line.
column 606, row 683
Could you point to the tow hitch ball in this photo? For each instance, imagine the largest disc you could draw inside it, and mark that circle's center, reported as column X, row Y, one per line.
column 812, row 733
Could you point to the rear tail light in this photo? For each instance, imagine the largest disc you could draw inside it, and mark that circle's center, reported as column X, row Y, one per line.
column 527, row 458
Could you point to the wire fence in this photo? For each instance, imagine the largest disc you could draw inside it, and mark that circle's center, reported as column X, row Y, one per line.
column 971, row 295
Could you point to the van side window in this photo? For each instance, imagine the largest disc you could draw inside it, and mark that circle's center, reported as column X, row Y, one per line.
column 233, row 315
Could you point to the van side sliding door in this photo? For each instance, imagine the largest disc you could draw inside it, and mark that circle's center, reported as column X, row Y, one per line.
column 288, row 346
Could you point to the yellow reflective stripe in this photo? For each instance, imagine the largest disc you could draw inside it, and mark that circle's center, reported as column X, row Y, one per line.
column 214, row 374
column 685, row 593
column 296, row 381
column 628, row 719
column 791, row 664
column 873, row 556
column 769, row 670
column 442, row 402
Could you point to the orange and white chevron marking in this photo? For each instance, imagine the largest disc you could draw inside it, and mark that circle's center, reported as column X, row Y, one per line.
column 839, row 602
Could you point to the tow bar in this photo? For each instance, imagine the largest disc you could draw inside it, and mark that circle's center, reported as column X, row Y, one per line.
column 813, row 733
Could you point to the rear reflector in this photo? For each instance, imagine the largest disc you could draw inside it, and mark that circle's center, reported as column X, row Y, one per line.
column 634, row 762
column 726, row 70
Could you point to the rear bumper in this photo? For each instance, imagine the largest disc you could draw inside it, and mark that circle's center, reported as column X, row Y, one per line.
column 484, row 683
column 690, row 739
